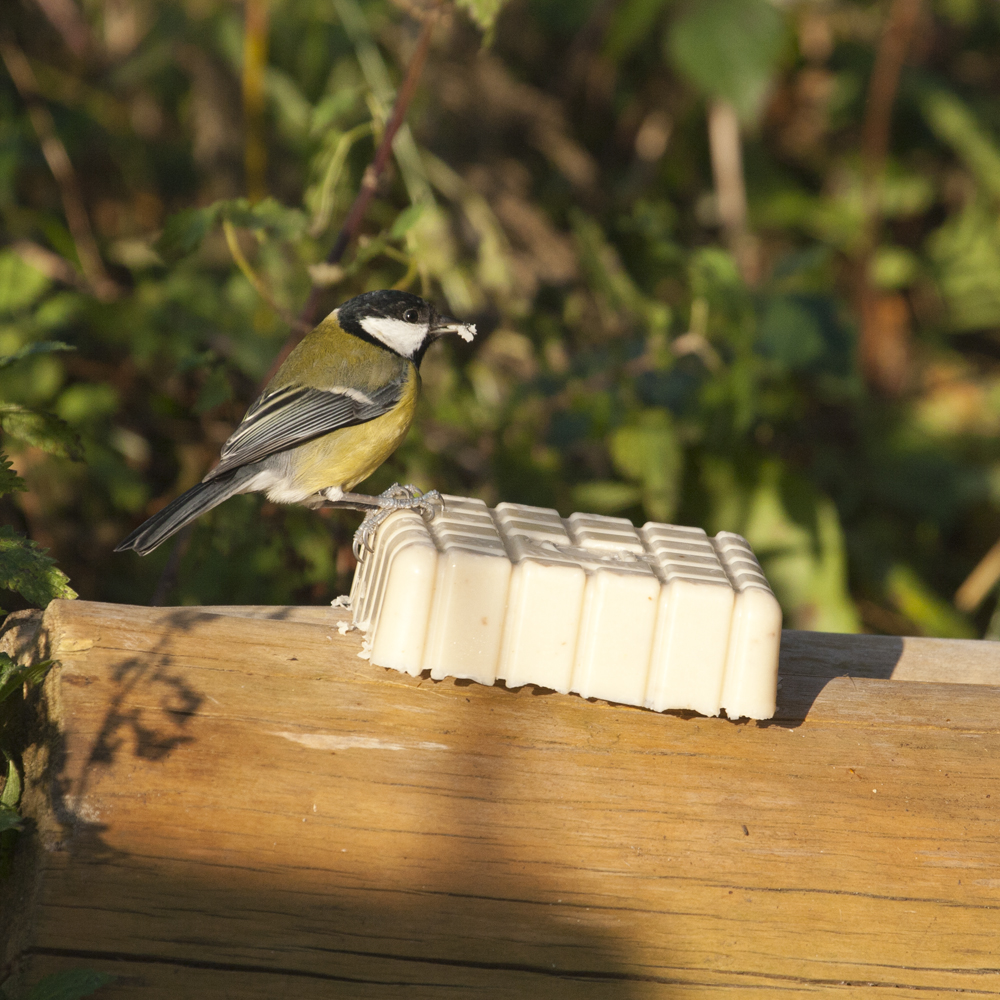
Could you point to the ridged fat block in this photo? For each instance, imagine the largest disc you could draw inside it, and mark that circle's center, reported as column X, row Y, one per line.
column 664, row 617
column 393, row 590
column 470, row 593
column 750, row 687
column 619, row 610
column 545, row 599
column 694, row 615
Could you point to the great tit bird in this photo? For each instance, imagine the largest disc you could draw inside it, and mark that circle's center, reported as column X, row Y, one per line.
column 332, row 414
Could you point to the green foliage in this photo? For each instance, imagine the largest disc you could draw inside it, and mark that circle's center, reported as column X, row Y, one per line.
column 647, row 452
column 13, row 676
column 27, row 570
column 483, row 12
column 915, row 600
column 41, row 430
column 629, row 24
column 635, row 357
column 10, row 481
column 21, row 285
column 10, row 818
column 729, row 49
column 954, row 123
column 30, row 350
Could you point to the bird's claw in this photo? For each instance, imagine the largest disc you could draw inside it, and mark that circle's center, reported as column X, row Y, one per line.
column 395, row 498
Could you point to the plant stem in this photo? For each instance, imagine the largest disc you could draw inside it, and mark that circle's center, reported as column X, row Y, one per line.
column 256, row 18
column 369, row 182
column 884, row 320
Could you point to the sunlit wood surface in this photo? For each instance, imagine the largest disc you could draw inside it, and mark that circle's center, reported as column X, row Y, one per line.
column 229, row 802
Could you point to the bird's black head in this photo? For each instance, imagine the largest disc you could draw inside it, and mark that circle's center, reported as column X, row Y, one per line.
column 399, row 321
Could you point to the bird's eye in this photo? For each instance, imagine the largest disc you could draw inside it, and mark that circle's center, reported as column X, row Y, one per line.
column 411, row 316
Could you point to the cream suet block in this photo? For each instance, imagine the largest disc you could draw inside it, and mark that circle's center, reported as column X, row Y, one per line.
column 619, row 610
column 694, row 617
column 545, row 600
column 664, row 616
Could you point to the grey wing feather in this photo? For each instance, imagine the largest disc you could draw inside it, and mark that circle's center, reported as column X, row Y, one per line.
column 291, row 416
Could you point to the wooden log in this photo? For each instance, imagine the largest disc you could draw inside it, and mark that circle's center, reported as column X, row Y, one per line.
column 230, row 802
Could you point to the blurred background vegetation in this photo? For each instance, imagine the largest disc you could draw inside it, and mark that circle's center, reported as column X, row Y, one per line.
column 736, row 263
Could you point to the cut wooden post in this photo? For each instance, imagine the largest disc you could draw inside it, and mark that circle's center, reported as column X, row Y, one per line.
column 230, row 802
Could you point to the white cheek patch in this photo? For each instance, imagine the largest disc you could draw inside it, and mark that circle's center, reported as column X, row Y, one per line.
column 402, row 337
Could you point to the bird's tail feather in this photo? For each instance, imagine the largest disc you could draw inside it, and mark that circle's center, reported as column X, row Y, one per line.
column 183, row 510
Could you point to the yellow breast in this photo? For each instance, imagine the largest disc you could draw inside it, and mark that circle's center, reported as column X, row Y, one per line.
column 347, row 456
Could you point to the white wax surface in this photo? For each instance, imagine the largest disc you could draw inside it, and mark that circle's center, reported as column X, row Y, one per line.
column 545, row 600
column 664, row 617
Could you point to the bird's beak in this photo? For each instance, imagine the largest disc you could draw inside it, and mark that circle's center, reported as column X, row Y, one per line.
column 443, row 325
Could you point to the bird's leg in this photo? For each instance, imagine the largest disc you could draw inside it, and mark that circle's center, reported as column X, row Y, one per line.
column 395, row 498
column 334, row 497
column 378, row 508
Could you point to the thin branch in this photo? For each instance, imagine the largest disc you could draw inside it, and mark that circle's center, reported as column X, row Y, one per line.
column 726, row 148
column 884, row 82
column 979, row 582
column 54, row 267
column 62, row 170
column 256, row 18
column 372, row 175
column 66, row 18
column 331, row 176
column 369, row 183
column 883, row 347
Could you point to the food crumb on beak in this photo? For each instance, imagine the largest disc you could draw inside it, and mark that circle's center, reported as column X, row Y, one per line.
column 465, row 330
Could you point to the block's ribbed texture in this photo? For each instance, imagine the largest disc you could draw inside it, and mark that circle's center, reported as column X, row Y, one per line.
column 664, row 617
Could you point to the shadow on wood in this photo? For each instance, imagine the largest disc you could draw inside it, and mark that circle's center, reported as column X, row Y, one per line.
column 230, row 802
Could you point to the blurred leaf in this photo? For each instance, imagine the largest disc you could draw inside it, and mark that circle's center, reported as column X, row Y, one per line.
column 292, row 111
column 38, row 347
column 649, row 452
column 26, row 569
column 20, row 283
column 267, row 215
column 215, row 390
column 789, row 333
column 11, row 794
column 610, row 279
column 58, row 310
column 630, row 22
column 10, row 481
column 923, row 607
column 804, row 557
column 72, row 984
column 405, row 221
column 41, row 430
column 483, row 12
column 713, row 271
column 14, row 675
column 10, row 819
column 605, row 496
column 84, row 402
column 184, row 232
column 966, row 252
column 729, row 49
column 893, row 268
column 956, row 125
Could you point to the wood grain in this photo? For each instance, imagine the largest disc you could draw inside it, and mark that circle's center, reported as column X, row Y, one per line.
column 229, row 802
